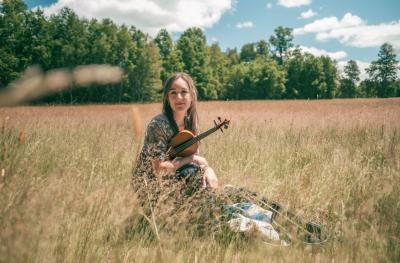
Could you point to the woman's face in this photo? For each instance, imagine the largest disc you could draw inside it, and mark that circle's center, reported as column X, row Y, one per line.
column 179, row 96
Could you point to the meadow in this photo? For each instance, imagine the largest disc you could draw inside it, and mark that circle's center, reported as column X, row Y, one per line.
column 65, row 182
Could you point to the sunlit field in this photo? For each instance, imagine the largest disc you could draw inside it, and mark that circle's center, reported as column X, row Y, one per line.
column 66, row 194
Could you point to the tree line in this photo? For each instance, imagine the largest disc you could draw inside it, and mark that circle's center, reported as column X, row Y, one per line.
column 273, row 69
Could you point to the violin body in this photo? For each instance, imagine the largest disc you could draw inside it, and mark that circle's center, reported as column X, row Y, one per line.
column 182, row 137
column 185, row 143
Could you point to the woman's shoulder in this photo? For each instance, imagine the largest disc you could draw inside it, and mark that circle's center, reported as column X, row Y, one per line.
column 159, row 120
column 158, row 130
column 159, row 127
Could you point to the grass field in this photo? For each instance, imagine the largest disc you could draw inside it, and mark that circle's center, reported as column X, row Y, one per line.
column 65, row 178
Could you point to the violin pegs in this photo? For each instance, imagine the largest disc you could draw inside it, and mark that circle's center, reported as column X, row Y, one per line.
column 219, row 118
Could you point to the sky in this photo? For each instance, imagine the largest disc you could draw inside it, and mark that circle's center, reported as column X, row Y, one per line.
column 341, row 29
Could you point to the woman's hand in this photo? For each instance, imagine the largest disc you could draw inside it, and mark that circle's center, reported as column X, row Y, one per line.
column 210, row 179
column 163, row 168
column 201, row 161
column 166, row 168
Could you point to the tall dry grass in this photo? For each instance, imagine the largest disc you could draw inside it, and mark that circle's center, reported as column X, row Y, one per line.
column 65, row 174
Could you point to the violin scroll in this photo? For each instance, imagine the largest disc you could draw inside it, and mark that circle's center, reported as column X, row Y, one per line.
column 222, row 123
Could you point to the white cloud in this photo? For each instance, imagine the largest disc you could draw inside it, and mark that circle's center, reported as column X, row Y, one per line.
column 246, row 24
column 150, row 15
column 362, row 66
column 330, row 23
column 307, row 14
column 269, row 5
column 321, row 52
column 365, row 36
column 351, row 30
column 293, row 3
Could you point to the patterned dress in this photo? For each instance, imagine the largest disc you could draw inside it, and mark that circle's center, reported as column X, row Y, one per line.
column 158, row 133
column 164, row 197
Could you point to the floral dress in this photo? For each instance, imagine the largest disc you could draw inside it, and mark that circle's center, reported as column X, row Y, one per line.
column 164, row 197
column 158, row 134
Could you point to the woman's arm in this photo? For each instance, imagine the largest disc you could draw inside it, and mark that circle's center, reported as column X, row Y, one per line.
column 163, row 168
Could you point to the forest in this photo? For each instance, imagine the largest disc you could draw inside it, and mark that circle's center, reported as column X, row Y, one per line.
column 272, row 68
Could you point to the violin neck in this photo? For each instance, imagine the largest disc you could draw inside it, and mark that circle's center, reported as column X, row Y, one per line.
column 205, row 134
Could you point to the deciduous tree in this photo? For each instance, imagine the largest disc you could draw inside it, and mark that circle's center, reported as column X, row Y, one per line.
column 192, row 47
column 169, row 56
column 282, row 42
column 348, row 83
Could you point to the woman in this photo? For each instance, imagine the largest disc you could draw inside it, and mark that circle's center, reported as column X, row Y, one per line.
column 179, row 113
column 172, row 191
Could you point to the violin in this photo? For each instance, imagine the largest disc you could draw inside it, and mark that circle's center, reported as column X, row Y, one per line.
column 185, row 143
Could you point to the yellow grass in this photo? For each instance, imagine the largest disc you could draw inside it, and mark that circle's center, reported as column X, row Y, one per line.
column 65, row 176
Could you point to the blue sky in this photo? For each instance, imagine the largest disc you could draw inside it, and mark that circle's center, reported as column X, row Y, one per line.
column 344, row 30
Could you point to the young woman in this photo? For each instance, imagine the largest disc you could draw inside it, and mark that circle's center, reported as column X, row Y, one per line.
column 174, row 192
column 179, row 113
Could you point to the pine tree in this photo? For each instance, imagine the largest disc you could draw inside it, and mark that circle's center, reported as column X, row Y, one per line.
column 384, row 71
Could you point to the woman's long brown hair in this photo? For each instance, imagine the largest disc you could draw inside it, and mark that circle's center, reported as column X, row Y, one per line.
column 192, row 116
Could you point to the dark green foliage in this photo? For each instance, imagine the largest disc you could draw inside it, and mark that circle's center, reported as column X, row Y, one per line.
column 258, row 79
column 13, row 21
column 145, row 77
column 330, row 76
column 383, row 71
column 397, row 86
column 67, row 41
column 248, row 52
column 232, row 56
column 192, row 47
column 169, row 55
column 348, row 83
column 218, row 65
column 368, row 88
column 282, row 42
column 262, row 48
column 310, row 77
column 261, row 70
